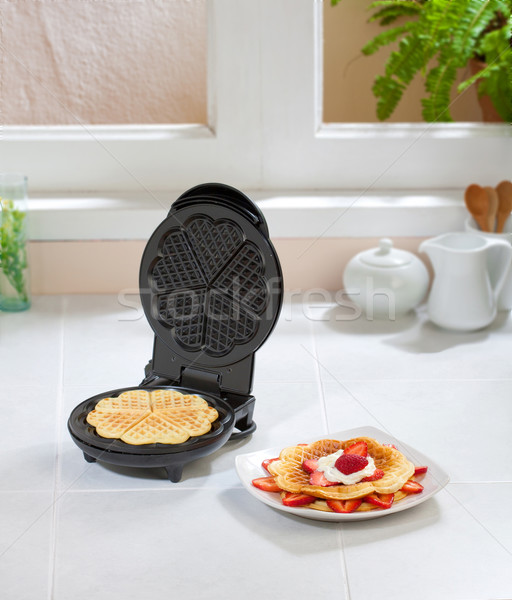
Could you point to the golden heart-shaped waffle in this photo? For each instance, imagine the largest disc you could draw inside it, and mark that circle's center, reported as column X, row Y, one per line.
column 130, row 400
column 147, row 417
column 364, row 507
column 290, row 475
column 114, row 424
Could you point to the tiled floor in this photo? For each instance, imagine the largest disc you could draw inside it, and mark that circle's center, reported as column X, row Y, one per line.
column 70, row 529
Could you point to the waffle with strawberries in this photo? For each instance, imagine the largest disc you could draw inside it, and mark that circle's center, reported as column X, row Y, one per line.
column 341, row 476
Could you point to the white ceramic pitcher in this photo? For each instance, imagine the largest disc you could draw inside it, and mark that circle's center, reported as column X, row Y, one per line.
column 469, row 272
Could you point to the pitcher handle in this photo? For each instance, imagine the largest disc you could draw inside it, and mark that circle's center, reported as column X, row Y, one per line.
column 501, row 251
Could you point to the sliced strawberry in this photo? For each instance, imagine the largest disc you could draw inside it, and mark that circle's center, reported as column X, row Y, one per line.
column 360, row 448
column 310, row 465
column 390, row 446
column 377, row 474
column 267, row 484
column 344, row 506
column 381, row 500
column 420, row 470
column 412, row 487
column 350, row 463
column 291, row 499
column 318, row 478
column 266, row 463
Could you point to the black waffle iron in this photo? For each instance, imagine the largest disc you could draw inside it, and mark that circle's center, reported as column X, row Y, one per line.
column 211, row 289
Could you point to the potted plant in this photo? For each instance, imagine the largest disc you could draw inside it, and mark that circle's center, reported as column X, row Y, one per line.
column 438, row 38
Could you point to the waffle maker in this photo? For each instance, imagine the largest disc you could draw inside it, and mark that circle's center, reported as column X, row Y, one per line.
column 211, row 289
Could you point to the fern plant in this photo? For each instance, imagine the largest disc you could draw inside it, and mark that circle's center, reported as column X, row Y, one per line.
column 437, row 38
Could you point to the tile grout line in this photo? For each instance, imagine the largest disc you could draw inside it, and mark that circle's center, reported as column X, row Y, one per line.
column 57, row 466
column 124, row 490
column 318, row 378
column 343, row 563
column 320, row 384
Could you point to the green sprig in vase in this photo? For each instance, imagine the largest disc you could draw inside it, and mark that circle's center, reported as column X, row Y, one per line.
column 14, row 271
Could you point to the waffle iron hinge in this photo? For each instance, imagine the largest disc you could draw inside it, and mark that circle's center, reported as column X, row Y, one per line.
column 232, row 383
column 226, row 385
column 198, row 379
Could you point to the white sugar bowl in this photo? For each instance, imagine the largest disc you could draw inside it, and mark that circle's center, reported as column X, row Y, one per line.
column 385, row 282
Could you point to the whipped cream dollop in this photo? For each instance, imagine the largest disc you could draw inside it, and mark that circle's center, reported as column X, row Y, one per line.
column 331, row 473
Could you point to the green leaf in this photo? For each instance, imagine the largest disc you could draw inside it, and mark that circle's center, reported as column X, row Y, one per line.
column 438, row 39
column 439, row 83
column 407, row 61
column 392, row 10
column 384, row 38
column 388, row 92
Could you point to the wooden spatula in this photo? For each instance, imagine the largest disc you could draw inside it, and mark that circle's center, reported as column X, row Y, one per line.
column 477, row 202
column 504, row 192
column 492, row 209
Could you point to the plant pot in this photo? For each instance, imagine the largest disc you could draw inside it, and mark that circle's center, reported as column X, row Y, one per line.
column 489, row 113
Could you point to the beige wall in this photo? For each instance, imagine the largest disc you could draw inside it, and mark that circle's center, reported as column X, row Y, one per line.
column 111, row 267
column 103, row 62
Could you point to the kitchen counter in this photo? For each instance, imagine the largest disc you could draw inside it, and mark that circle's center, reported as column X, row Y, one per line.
column 71, row 529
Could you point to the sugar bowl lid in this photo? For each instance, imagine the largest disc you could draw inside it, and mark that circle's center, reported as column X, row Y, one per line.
column 386, row 255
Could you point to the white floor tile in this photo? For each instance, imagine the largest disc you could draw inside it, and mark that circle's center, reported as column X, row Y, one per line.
column 26, row 552
column 435, row 550
column 409, row 348
column 461, row 425
column 287, row 355
column 162, row 544
column 116, row 532
column 483, row 503
column 31, row 344
column 28, row 445
column 105, row 342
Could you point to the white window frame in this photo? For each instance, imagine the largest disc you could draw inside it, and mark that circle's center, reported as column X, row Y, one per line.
column 143, row 159
column 301, row 150
column 264, row 132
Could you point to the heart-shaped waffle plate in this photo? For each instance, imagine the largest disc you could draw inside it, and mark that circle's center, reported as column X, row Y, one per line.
column 211, row 284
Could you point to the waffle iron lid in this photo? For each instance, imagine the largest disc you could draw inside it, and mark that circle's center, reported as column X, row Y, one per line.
column 210, row 280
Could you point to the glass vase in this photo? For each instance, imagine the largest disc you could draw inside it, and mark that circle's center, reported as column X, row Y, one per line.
column 14, row 268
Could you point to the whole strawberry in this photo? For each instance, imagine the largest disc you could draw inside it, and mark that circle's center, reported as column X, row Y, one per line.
column 350, row 463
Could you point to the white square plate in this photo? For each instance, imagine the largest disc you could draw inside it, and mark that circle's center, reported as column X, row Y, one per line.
column 249, row 467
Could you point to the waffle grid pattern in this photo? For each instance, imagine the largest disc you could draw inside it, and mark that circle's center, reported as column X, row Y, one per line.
column 178, row 267
column 214, row 244
column 184, row 311
column 290, row 475
column 227, row 324
column 208, row 286
column 242, row 279
column 160, row 416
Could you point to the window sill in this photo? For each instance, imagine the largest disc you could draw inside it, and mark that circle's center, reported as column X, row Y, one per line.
column 290, row 214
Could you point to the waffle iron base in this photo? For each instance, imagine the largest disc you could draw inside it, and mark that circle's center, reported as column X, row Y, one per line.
column 172, row 457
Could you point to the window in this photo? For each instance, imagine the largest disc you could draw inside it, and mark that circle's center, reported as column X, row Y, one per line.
column 265, row 127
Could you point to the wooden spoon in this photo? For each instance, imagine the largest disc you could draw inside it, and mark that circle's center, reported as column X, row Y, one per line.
column 504, row 191
column 492, row 209
column 477, row 202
